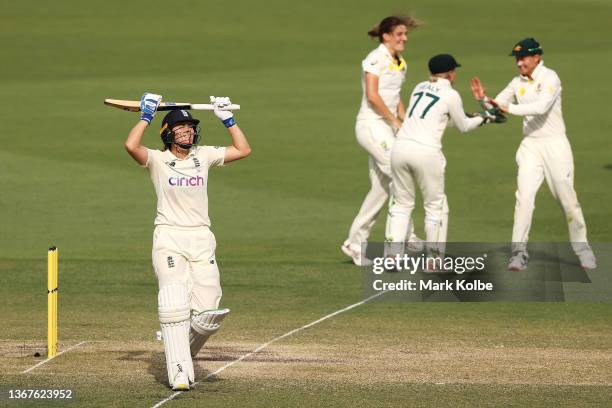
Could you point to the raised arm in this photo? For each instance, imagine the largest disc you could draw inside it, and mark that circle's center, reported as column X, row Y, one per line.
column 377, row 102
column 501, row 100
column 133, row 144
column 240, row 146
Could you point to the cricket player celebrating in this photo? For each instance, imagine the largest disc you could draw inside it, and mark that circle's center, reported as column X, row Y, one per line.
column 545, row 151
column 183, row 245
column 380, row 116
column 417, row 158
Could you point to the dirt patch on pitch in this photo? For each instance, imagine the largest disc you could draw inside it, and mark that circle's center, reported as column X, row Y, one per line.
column 346, row 363
column 438, row 365
column 379, row 363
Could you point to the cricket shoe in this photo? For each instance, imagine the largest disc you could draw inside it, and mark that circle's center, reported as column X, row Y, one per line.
column 519, row 261
column 181, row 382
column 587, row 260
column 355, row 254
column 415, row 244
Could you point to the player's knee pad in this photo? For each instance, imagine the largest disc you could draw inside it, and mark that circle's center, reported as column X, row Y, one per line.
column 173, row 303
column 204, row 325
column 208, row 321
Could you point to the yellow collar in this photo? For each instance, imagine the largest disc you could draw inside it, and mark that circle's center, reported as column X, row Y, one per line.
column 394, row 64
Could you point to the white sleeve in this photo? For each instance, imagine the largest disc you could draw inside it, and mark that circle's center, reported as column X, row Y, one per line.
column 551, row 89
column 151, row 162
column 214, row 155
column 506, row 96
column 458, row 116
column 374, row 64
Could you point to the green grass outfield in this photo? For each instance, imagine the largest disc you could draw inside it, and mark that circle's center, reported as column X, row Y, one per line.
column 281, row 215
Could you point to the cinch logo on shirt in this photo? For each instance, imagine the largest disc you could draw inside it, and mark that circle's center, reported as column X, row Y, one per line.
column 186, row 181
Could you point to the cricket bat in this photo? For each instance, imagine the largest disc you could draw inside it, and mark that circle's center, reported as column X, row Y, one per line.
column 134, row 106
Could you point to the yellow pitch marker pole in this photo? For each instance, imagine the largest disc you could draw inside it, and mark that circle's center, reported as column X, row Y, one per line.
column 52, row 292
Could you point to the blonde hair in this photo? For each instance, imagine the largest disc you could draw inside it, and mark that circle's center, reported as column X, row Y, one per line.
column 435, row 77
column 388, row 24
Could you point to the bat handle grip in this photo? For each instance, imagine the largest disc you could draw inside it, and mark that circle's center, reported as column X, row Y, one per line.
column 207, row 106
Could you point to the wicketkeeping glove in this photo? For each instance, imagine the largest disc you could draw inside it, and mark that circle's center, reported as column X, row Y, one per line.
column 220, row 104
column 486, row 103
column 493, row 115
column 148, row 106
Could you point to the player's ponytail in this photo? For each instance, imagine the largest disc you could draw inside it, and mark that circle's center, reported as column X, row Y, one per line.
column 388, row 24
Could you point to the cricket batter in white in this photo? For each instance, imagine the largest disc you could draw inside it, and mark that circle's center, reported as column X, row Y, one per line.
column 544, row 153
column 183, row 244
column 417, row 158
column 380, row 116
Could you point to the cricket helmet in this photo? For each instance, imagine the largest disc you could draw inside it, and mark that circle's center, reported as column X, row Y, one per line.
column 173, row 118
column 525, row 47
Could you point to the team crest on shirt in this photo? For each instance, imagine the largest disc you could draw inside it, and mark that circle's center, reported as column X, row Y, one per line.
column 538, row 88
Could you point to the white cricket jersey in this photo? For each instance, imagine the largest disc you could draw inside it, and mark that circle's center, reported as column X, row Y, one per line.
column 538, row 99
column 431, row 106
column 181, row 185
column 391, row 76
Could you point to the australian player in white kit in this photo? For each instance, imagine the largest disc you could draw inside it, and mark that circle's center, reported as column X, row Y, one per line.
column 183, row 245
column 544, row 153
column 417, row 158
column 380, row 116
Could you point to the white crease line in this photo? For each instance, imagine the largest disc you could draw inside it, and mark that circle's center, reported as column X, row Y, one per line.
column 274, row 340
column 57, row 355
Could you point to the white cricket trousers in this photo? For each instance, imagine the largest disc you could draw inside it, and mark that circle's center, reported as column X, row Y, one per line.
column 376, row 137
column 414, row 164
column 550, row 158
column 186, row 255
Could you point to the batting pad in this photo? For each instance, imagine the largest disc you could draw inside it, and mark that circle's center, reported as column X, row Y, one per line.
column 204, row 325
column 174, row 312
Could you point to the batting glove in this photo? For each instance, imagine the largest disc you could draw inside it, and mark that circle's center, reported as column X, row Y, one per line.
column 148, row 106
column 220, row 104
